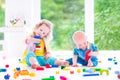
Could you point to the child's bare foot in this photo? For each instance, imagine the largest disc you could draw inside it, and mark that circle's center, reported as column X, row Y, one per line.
column 35, row 66
column 75, row 65
column 64, row 63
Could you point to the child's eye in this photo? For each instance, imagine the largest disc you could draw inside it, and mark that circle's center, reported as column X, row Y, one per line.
column 40, row 29
column 43, row 33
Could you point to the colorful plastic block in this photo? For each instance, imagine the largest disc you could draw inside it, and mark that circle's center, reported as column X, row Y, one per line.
column 87, row 55
column 7, row 66
column 32, row 74
column 95, row 74
column 104, row 70
column 71, row 72
column 57, row 72
column 39, row 68
column 18, row 68
column 62, row 67
column 78, row 70
column 55, row 66
column 6, row 77
column 24, row 72
column 63, row 78
column 47, row 79
column 3, row 70
column 118, row 76
column 47, row 66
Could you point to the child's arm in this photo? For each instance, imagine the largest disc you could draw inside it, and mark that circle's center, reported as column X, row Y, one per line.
column 74, row 60
column 31, row 39
column 95, row 53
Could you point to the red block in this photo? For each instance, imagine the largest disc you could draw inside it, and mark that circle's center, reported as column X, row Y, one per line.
column 87, row 55
column 39, row 68
column 48, row 66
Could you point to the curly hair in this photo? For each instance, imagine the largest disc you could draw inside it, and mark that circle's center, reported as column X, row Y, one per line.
column 49, row 25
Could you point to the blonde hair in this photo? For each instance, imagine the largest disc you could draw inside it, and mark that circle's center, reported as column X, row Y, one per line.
column 79, row 35
column 49, row 25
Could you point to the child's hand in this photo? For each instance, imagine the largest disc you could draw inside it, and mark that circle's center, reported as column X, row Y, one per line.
column 47, row 55
column 75, row 65
column 93, row 53
column 90, row 64
column 32, row 40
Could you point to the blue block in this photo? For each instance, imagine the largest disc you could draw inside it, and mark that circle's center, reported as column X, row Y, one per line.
column 55, row 66
column 3, row 70
column 18, row 68
column 38, row 37
column 6, row 77
column 91, row 74
column 115, row 62
column 109, row 59
column 117, row 72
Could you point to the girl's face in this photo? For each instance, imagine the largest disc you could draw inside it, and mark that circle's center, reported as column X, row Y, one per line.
column 42, row 31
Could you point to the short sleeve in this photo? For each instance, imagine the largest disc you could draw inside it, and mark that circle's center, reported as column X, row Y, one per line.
column 75, row 52
column 94, row 47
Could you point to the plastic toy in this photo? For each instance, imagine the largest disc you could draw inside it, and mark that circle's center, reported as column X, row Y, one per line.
column 39, row 68
column 62, row 67
column 63, row 78
column 3, row 70
column 118, row 76
column 7, row 66
column 78, row 70
column 47, row 79
column 23, row 73
column 104, row 70
column 39, row 51
column 66, row 68
column 55, row 66
column 47, row 66
column 95, row 74
column 71, row 72
column 6, row 77
column 87, row 55
column 57, row 72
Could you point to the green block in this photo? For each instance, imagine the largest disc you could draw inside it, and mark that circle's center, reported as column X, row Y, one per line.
column 97, row 69
column 84, row 70
column 48, row 78
column 62, row 67
column 37, row 44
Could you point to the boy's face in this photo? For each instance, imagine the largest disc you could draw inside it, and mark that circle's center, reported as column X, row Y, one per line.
column 81, row 44
column 42, row 31
column 80, row 40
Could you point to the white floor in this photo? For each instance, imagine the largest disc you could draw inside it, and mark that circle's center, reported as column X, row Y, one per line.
column 103, row 57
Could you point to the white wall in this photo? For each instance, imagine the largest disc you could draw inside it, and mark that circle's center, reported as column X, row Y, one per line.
column 28, row 10
column 89, row 19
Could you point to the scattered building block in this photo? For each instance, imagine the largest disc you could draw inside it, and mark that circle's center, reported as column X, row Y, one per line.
column 95, row 74
column 6, row 77
column 55, row 66
column 32, row 74
column 62, row 67
column 7, row 66
column 48, row 66
column 71, row 72
column 78, row 70
column 104, row 70
column 63, row 78
column 57, row 72
column 118, row 76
